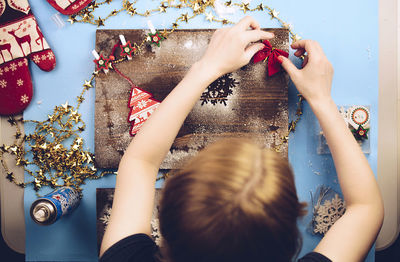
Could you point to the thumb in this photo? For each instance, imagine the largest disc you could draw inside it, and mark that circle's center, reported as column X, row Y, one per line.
column 290, row 68
column 252, row 49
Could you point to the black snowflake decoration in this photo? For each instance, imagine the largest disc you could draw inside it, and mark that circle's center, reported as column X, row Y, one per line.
column 219, row 90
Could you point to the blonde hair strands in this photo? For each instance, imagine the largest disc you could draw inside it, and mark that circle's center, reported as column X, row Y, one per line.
column 232, row 202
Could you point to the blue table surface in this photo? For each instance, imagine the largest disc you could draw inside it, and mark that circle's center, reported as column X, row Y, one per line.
column 347, row 31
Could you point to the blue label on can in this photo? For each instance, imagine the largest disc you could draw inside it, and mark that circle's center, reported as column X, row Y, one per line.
column 65, row 199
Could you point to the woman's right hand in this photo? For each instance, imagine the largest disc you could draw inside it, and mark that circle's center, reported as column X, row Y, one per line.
column 314, row 80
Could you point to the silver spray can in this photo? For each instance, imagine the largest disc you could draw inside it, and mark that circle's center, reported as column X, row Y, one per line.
column 48, row 209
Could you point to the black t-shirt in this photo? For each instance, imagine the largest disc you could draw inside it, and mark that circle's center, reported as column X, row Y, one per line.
column 141, row 248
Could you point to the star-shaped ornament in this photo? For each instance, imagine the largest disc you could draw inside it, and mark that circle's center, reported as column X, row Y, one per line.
column 14, row 149
column 87, row 84
column 360, row 133
column 72, row 19
column 273, row 13
column 163, row 8
column 127, row 4
column 65, row 106
column 155, row 38
column 101, row 63
column 184, row 17
column 75, row 116
column 12, row 121
column 209, row 17
column 79, row 140
column 131, row 11
column 196, row 7
column 3, row 148
column 10, row 176
column 37, row 184
column 99, row 22
column 21, row 162
column 81, row 99
column 17, row 135
column 87, row 17
column 245, row 7
column 127, row 50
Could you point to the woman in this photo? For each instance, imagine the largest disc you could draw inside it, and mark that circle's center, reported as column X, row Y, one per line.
column 236, row 201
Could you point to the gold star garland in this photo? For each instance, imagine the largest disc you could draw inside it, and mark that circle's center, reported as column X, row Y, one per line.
column 55, row 163
column 292, row 124
column 198, row 7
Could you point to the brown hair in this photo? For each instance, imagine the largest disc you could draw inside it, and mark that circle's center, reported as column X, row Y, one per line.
column 232, row 202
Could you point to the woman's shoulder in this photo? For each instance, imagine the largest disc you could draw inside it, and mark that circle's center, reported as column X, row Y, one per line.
column 137, row 247
column 141, row 247
column 314, row 257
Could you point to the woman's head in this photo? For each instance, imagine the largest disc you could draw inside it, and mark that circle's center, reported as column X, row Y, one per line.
column 232, row 202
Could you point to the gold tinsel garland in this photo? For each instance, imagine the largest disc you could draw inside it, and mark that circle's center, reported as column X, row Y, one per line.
column 198, row 7
column 54, row 163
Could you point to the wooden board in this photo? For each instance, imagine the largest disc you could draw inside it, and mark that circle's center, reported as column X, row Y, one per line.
column 257, row 107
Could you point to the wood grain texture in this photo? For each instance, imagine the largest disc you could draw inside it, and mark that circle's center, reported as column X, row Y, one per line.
column 257, row 108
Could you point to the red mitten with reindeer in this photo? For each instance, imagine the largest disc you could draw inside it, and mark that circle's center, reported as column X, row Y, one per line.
column 69, row 7
column 20, row 39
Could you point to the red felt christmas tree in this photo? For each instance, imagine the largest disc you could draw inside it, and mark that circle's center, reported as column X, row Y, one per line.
column 20, row 39
column 69, row 7
column 142, row 106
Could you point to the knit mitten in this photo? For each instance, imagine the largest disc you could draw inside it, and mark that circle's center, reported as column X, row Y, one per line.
column 69, row 7
column 20, row 39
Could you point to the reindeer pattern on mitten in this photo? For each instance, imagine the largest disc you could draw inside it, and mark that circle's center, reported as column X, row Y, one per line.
column 22, row 38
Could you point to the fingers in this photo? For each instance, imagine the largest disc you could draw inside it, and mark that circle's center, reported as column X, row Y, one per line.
column 290, row 68
column 305, row 61
column 311, row 47
column 299, row 52
column 247, row 22
column 252, row 49
column 301, row 44
column 255, row 35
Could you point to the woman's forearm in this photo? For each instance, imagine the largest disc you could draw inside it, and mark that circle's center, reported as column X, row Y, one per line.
column 355, row 175
column 156, row 136
column 228, row 50
column 360, row 225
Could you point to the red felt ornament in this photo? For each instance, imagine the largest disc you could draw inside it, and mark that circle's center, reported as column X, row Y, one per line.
column 271, row 55
column 127, row 50
column 360, row 133
column 69, row 7
column 142, row 105
column 156, row 38
column 20, row 38
column 102, row 63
